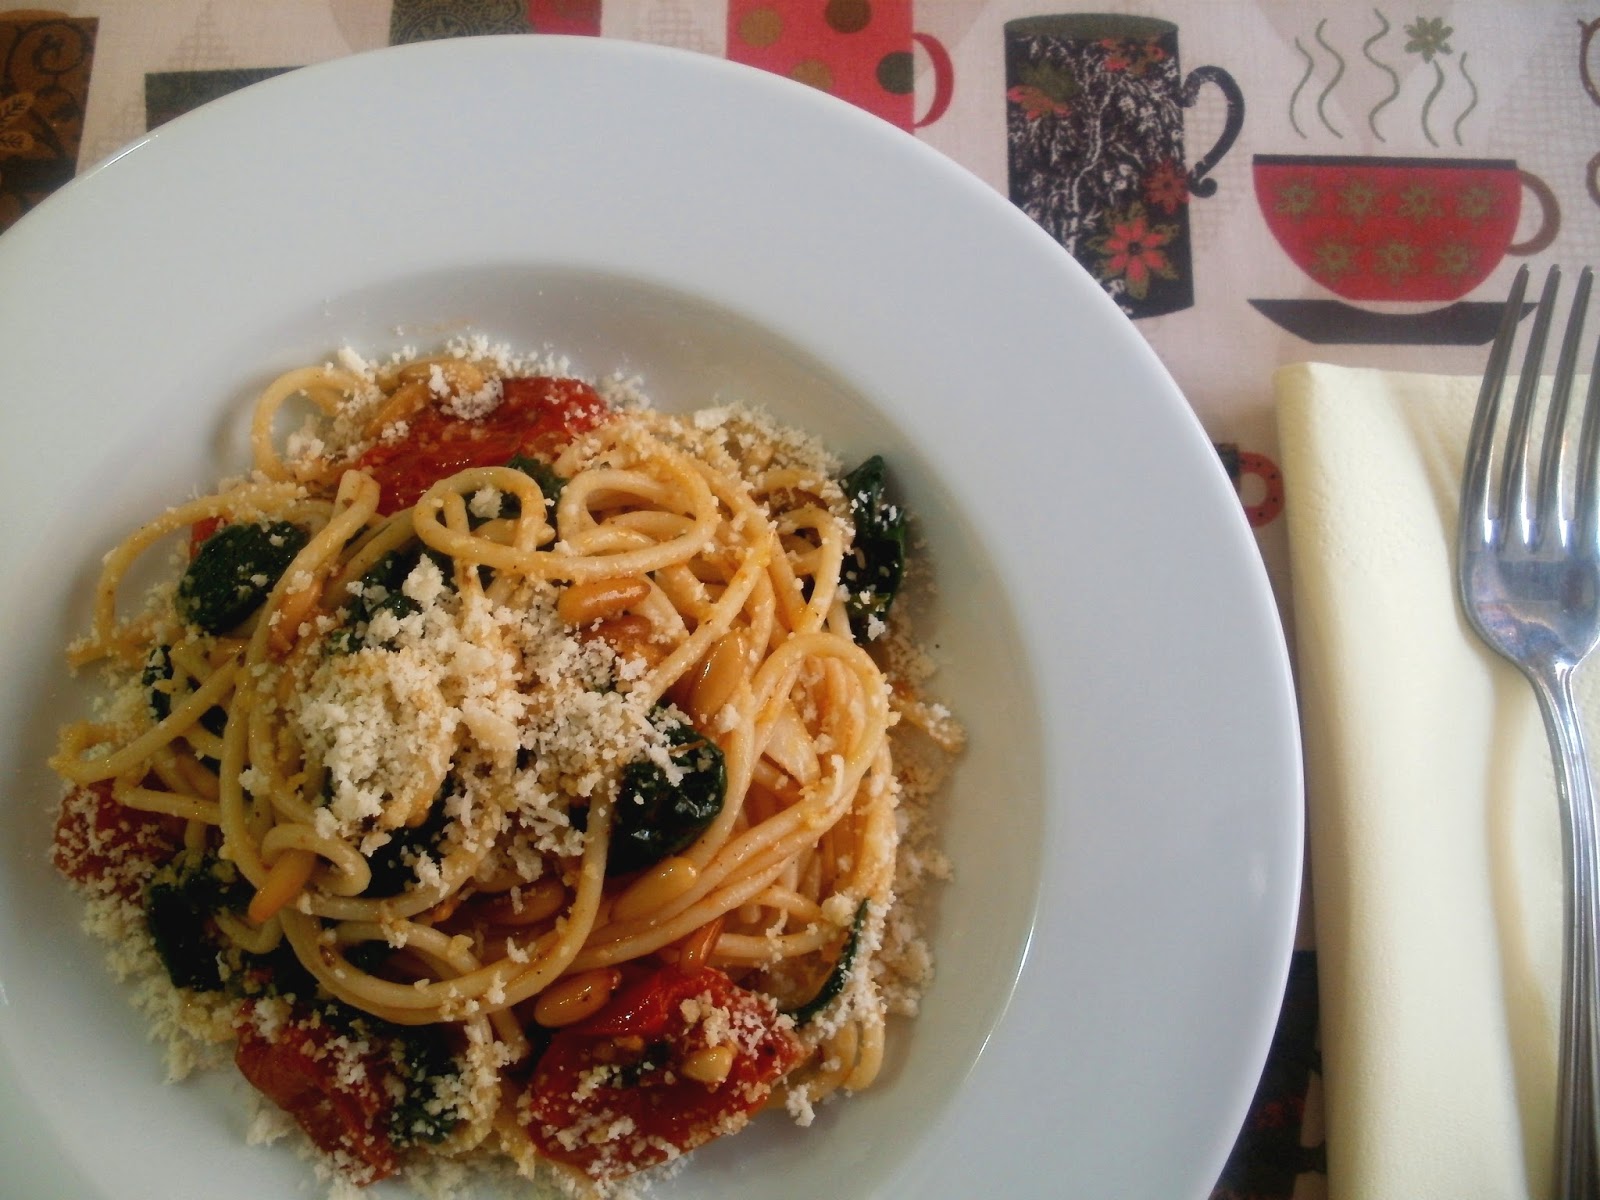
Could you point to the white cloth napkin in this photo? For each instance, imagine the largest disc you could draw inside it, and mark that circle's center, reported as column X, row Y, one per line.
column 1433, row 822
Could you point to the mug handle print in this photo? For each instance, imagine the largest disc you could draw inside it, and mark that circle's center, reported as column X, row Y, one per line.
column 944, row 78
column 1590, row 29
column 1199, row 184
column 1549, row 215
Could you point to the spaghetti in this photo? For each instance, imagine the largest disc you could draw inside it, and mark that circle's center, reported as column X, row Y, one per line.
column 508, row 770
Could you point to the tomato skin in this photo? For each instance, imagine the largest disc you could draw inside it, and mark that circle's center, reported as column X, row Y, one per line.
column 108, row 848
column 537, row 416
column 298, row 1070
column 654, row 1111
column 200, row 532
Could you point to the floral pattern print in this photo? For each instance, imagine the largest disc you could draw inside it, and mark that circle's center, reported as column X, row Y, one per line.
column 1419, row 203
column 1330, row 260
column 1167, row 187
column 1455, row 260
column 1295, row 199
column 1136, row 57
column 1475, row 203
column 1429, row 36
column 1358, row 198
column 1133, row 251
column 1094, row 127
column 12, row 109
column 1036, row 102
column 44, row 86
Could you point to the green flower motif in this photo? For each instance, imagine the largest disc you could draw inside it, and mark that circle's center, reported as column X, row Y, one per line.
column 1058, row 83
column 1296, row 199
column 1358, row 198
column 1330, row 260
column 1453, row 260
column 1396, row 261
column 1419, row 202
column 1429, row 36
column 1475, row 203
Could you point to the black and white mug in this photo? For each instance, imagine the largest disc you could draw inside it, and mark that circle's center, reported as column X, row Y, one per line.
column 1094, row 130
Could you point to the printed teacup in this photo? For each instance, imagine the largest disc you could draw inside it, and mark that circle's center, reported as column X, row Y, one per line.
column 1415, row 229
column 1094, row 135
column 857, row 50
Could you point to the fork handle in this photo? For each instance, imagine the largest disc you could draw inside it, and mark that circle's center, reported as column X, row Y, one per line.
column 1578, row 1107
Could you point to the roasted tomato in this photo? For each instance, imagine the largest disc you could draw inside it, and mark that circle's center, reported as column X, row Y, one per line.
column 674, row 1060
column 536, row 416
column 200, row 532
column 332, row 1089
column 108, row 848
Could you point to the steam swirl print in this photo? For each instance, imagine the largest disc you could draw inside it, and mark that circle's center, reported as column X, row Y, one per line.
column 1449, row 99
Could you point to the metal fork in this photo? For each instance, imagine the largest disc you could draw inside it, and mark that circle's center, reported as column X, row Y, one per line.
column 1529, row 580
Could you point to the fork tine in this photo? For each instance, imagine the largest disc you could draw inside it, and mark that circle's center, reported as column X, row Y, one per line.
column 1475, row 475
column 1514, row 498
column 1587, row 500
column 1550, row 463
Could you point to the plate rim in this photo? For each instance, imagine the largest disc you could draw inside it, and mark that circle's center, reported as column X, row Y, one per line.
column 1284, row 739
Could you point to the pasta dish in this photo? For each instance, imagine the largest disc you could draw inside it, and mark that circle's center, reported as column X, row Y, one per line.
column 506, row 770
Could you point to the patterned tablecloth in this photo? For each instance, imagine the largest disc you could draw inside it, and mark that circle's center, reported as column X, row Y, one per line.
column 1256, row 182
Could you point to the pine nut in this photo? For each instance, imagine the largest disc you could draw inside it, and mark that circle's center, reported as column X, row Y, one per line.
column 297, row 608
column 709, row 1066
column 655, row 889
column 405, row 400
column 718, row 676
column 568, row 1001
column 596, row 599
column 631, row 636
column 534, row 903
column 696, row 947
column 286, row 879
column 463, row 378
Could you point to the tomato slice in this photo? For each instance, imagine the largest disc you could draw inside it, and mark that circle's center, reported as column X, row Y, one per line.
column 609, row 1095
column 332, row 1091
column 107, row 847
column 537, row 416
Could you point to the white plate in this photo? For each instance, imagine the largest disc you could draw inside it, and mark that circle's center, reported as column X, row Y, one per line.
column 1126, row 826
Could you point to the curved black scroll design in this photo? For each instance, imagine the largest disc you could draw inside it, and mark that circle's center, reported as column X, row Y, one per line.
column 1199, row 183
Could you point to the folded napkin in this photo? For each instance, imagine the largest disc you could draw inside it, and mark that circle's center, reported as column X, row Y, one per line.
column 1432, row 814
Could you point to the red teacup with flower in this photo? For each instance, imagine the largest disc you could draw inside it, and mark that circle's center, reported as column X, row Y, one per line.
column 1416, row 229
column 1094, row 136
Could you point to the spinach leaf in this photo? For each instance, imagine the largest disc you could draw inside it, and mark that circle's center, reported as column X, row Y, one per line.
column 232, row 572
column 389, row 573
column 838, row 977
column 179, row 903
column 541, row 473
column 656, row 818
column 874, row 569
column 394, row 863
column 158, row 669
column 423, row 1114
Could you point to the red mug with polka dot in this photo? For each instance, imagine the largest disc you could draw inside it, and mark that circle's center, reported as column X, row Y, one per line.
column 565, row 16
column 862, row 51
